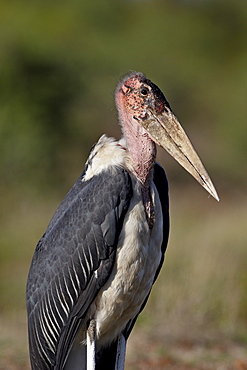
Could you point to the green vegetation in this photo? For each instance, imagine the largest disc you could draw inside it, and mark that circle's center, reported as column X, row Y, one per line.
column 60, row 62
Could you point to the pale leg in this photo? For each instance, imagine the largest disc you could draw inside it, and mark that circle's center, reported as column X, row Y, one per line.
column 91, row 346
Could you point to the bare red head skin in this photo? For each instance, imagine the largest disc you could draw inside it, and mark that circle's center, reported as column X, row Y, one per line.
column 141, row 94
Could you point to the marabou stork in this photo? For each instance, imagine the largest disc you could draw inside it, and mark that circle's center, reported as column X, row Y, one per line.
column 93, row 269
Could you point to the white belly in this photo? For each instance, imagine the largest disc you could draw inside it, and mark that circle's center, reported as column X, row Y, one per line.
column 137, row 259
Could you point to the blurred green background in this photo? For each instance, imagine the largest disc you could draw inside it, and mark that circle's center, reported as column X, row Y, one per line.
column 59, row 64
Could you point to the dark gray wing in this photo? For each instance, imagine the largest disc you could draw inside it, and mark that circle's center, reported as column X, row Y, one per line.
column 161, row 183
column 72, row 261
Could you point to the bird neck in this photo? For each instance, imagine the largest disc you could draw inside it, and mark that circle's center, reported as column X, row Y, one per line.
column 142, row 151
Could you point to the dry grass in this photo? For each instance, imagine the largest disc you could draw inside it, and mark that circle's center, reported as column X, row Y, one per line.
column 196, row 316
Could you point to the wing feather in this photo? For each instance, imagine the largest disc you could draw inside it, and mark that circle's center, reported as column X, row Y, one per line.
column 72, row 261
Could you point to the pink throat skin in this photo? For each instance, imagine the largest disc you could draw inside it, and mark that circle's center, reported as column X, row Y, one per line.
column 140, row 146
column 142, row 150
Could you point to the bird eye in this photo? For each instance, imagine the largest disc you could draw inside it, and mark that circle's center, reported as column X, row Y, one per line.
column 144, row 91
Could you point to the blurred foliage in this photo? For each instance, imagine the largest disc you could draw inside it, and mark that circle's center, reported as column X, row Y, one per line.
column 60, row 62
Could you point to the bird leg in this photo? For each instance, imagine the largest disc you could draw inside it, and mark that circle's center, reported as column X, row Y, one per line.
column 121, row 350
column 91, row 333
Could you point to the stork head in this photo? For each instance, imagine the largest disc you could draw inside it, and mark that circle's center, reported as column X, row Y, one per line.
column 140, row 101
